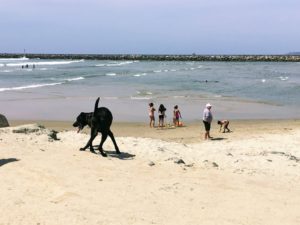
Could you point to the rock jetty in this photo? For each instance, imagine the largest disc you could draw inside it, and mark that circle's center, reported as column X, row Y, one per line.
column 193, row 57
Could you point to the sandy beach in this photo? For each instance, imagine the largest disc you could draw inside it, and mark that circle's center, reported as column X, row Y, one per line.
column 103, row 61
column 163, row 176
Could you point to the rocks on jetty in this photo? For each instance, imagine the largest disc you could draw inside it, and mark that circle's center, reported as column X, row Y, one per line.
column 192, row 57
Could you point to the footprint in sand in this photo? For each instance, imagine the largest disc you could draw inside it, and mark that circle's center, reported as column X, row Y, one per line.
column 64, row 197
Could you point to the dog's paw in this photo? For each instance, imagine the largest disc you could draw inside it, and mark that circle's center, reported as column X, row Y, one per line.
column 103, row 154
column 82, row 149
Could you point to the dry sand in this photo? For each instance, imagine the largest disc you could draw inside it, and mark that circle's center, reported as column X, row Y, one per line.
column 163, row 176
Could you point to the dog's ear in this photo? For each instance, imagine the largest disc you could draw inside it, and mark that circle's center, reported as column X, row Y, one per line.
column 80, row 117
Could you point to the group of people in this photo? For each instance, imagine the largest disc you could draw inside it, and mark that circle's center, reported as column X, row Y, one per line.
column 27, row 66
column 207, row 118
column 162, row 115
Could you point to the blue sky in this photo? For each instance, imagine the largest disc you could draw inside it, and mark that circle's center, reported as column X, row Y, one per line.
column 150, row 26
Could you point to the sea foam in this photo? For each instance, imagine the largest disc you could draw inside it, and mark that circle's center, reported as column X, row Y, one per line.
column 74, row 79
column 139, row 98
column 6, row 71
column 283, row 78
column 28, row 87
column 110, row 74
column 14, row 59
column 140, row 74
column 46, row 63
column 116, row 64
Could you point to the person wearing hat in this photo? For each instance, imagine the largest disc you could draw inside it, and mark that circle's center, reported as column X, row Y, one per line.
column 207, row 119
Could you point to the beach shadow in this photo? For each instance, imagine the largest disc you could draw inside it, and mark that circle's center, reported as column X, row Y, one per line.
column 165, row 128
column 5, row 161
column 113, row 154
column 123, row 155
column 218, row 139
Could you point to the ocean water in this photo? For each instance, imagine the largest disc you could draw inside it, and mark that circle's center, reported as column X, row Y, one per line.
column 60, row 89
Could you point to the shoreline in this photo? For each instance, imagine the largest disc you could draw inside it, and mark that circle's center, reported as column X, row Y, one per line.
column 191, row 132
column 137, row 111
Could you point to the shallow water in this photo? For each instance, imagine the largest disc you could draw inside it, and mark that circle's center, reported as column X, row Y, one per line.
column 60, row 89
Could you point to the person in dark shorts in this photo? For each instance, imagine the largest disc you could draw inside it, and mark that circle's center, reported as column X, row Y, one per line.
column 161, row 115
column 207, row 119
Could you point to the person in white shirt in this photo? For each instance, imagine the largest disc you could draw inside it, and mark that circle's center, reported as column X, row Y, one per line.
column 207, row 119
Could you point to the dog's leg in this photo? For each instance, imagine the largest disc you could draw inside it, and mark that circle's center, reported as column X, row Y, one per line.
column 103, row 138
column 90, row 142
column 111, row 135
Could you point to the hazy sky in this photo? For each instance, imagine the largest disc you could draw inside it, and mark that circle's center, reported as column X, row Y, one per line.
column 150, row 26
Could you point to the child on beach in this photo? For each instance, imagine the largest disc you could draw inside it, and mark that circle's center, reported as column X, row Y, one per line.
column 224, row 124
column 161, row 115
column 176, row 116
column 151, row 114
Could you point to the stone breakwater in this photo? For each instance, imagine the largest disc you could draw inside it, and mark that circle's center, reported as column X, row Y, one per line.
column 193, row 57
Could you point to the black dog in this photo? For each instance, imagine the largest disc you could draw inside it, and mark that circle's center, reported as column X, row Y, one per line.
column 99, row 121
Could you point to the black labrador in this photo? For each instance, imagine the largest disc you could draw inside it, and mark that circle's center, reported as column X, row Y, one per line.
column 99, row 121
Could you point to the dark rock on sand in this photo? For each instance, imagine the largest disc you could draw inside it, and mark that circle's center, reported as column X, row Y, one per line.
column 176, row 160
column 215, row 164
column 27, row 129
column 179, row 161
column 290, row 157
column 3, row 121
column 53, row 135
column 151, row 163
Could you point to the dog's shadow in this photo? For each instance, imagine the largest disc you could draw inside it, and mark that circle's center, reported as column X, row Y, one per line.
column 113, row 154
column 218, row 139
column 123, row 155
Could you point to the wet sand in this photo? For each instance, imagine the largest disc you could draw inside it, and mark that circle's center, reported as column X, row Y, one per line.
column 190, row 133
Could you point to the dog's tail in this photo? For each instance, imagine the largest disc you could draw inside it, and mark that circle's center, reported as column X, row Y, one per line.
column 96, row 104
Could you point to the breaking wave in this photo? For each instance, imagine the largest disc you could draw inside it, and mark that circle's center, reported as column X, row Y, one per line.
column 14, row 59
column 110, row 74
column 47, row 63
column 140, row 74
column 116, row 64
column 29, row 86
column 74, row 79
